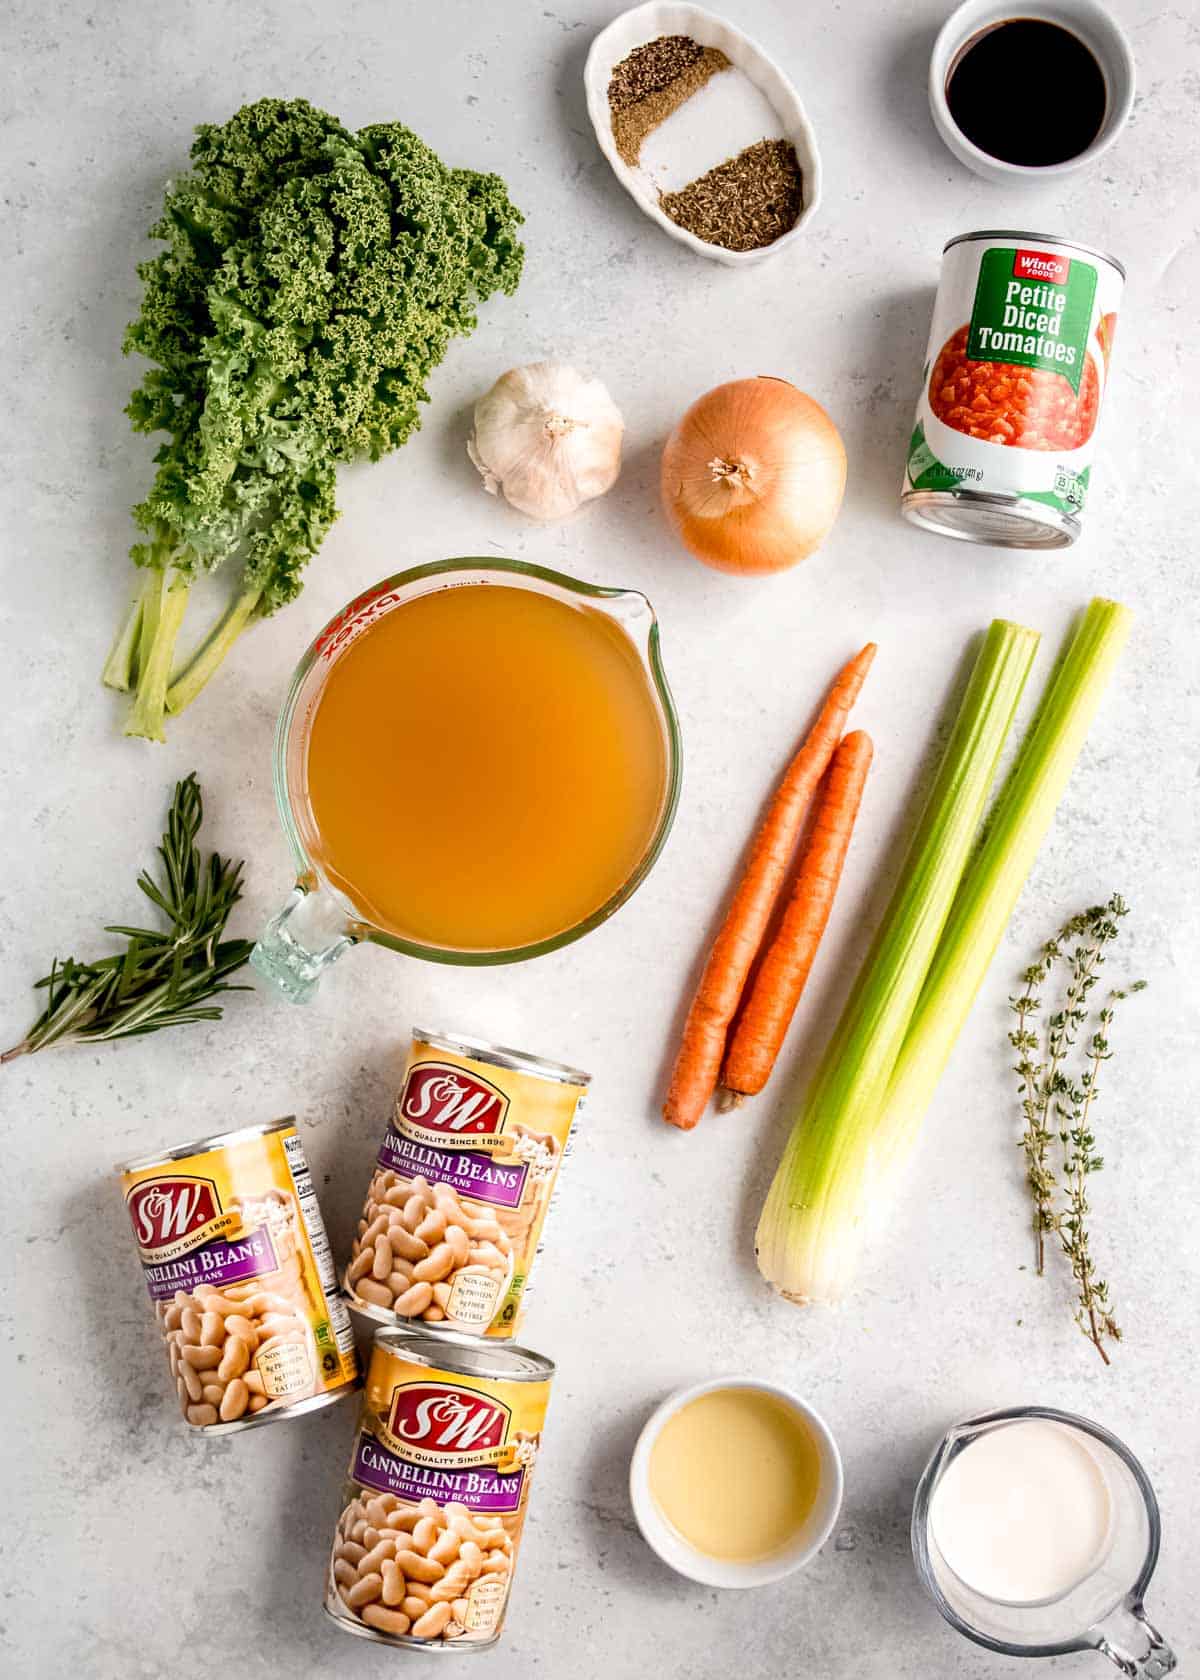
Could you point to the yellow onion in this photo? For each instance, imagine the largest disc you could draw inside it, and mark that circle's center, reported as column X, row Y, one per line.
column 752, row 476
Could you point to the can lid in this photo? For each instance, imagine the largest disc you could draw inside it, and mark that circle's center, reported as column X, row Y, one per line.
column 994, row 520
column 499, row 1055
column 1036, row 238
column 450, row 1350
column 201, row 1146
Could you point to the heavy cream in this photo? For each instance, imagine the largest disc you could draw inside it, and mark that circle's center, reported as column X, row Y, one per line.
column 1023, row 1513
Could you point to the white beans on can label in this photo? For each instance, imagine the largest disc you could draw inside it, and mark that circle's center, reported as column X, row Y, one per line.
column 438, row 1486
column 239, row 1269
column 463, row 1181
column 1015, row 377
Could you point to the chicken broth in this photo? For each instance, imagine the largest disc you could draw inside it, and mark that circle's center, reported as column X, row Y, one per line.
column 486, row 767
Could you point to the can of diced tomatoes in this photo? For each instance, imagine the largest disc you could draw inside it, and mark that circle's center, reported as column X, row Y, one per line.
column 1018, row 360
column 437, row 1490
column 464, row 1179
column 237, row 1264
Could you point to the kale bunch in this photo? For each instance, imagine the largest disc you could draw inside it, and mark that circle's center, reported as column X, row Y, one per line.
column 310, row 280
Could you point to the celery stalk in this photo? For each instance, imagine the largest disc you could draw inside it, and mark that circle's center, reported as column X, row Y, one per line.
column 809, row 1229
column 992, row 884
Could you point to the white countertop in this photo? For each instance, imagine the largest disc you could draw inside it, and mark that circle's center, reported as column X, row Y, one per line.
column 136, row 1549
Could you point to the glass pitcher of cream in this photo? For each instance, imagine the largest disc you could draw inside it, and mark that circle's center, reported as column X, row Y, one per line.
column 1036, row 1533
column 477, row 761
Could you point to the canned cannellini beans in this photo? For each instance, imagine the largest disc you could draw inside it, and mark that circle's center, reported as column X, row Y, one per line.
column 1015, row 376
column 438, row 1486
column 238, row 1267
column 463, row 1182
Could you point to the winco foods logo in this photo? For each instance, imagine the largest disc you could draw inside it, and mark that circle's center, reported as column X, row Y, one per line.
column 1041, row 265
column 167, row 1209
column 451, row 1102
column 447, row 1420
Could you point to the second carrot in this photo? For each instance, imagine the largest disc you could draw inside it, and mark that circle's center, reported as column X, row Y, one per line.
column 783, row 972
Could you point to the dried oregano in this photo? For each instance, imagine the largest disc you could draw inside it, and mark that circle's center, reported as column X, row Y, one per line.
column 1056, row 1104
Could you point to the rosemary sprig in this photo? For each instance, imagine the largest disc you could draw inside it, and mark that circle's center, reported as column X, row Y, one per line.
column 1056, row 1106
column 163, row 978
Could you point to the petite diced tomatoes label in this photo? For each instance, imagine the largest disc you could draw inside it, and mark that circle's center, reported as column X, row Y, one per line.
column 1032, row 309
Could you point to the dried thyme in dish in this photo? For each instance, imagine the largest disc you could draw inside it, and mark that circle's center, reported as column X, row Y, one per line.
column 653, row 82
column 744, row 203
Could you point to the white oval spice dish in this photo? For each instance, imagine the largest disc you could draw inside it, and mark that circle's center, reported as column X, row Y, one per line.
column 769, row 109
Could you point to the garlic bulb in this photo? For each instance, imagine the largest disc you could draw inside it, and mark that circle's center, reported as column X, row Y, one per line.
column 547, row 439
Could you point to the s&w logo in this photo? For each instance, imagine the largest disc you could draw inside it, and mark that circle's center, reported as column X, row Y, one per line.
column 446, row 1422
column 451, row 1103
column 166, row 1211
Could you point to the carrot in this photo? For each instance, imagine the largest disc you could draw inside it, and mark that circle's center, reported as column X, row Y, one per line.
column 771, row 1003
column 698, row 1063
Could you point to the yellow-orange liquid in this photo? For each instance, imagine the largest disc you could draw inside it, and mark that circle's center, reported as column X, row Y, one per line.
column 486, row 767
column 735, row 1472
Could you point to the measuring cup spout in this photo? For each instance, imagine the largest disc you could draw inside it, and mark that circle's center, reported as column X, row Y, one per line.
column 298, row 945
column 1130, row 1641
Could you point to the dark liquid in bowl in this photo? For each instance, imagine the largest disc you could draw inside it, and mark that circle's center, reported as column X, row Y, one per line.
column 1028, row 92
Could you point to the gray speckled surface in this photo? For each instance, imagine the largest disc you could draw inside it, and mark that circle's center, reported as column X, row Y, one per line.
column 138, row 1552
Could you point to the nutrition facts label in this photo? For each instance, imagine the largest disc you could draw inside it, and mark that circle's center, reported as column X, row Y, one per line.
column 310, row 1212
column 568, row 1151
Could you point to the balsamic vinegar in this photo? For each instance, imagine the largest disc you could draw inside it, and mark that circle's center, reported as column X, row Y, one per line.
column 1028, row 92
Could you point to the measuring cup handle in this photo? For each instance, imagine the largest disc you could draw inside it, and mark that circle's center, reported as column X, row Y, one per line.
column 1128, row 1639
column 298, row 945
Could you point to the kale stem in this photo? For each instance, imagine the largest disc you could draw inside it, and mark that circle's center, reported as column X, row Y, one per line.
column 152, row 594
column 146, row 715
column 120, row 668
column 204, row 664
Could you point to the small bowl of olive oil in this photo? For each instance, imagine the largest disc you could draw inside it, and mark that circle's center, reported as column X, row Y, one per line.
column 736, row 1482
column 1030, row 91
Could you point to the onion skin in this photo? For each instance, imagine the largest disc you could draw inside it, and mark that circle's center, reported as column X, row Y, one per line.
column 753, row 476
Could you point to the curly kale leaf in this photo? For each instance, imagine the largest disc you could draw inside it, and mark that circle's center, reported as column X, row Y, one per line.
column 311, row 280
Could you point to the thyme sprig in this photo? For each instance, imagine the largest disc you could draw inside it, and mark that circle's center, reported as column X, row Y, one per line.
column 1057, row 1106
column 163, row 977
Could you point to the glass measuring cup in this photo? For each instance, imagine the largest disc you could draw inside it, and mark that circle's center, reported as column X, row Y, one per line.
column 319, row 922
column 1105, row 1611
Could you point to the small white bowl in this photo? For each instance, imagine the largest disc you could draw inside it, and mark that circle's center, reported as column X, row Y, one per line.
column 1091, row 23
column 722, row 1572
column 646, row 23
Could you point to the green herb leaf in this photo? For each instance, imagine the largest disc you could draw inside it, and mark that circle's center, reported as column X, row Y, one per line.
column 164, row 976
column 1056, row 1106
